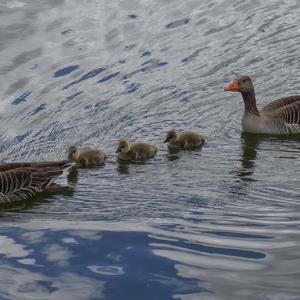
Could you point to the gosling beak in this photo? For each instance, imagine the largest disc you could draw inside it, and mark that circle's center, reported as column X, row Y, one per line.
column 118, row 150
column 166, row 140
column 232, row 87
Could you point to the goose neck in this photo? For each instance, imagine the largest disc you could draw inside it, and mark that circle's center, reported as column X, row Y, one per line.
column 250, row 103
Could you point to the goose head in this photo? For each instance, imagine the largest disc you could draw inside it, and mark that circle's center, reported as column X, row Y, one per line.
column 242, row 84
column 172, row 136
column 73, row 152
column 123, row 146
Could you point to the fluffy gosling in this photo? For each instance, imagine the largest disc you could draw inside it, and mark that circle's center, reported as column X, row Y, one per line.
column 135, row 152
column 185, row 141
column 87, row 158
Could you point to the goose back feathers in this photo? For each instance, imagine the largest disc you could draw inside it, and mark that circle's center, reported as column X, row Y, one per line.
column 21, row 181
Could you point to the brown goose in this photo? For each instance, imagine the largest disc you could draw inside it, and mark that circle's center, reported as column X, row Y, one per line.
column 87, row 158
column 281, row 116
column 135, row 152
column 186, row 140
column 23, row 180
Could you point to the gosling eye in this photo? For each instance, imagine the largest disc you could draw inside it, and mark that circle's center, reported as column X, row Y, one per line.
column 244, row 80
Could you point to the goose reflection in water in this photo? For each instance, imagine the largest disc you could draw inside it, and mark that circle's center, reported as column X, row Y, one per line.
column 72, row 177
column 123, row 168
column 251, row 146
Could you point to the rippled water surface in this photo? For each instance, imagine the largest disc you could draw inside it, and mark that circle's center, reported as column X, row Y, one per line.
column 218, row 223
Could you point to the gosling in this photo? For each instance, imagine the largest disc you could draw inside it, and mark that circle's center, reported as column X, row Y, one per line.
column 87, row 158
column 185, row 141
column 135, row 152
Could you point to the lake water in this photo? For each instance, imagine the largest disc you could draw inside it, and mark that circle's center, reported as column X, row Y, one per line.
column 219, row 223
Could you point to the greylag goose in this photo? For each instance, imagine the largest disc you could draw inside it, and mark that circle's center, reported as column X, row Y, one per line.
column 87, row 158
column 135, row 152
column 23, row 180
column 185, row 140
column 281, row 116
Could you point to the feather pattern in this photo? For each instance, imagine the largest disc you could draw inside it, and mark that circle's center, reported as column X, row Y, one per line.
column 279, row 103
column 21, row 181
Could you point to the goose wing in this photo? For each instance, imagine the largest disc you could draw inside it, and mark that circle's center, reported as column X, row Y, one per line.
column 280, row 103
column 20, row 181
column 289, row 117
column 290, row 114
column 36, row 164
column 286, row 113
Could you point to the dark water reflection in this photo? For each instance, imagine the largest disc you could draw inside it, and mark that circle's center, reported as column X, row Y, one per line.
column 221, row 222
column 98, row 263
column 252, row 144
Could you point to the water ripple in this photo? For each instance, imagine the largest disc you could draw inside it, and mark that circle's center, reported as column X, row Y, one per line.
column 218, row 223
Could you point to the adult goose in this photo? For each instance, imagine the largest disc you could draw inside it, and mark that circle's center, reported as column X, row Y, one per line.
column 23, row 180
column 281, row 116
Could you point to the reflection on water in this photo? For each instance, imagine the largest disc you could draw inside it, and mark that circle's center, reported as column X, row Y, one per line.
column 221, row 222
column 249, row 146
column 123, row 168
column 110, row 263
column 173, row 154
column 72, row 176
column 149, row 262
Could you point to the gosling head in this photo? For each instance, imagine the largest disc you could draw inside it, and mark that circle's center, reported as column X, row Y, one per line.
column 73, row 151
column 242, row 84
column 172, row 136
column 123, row 146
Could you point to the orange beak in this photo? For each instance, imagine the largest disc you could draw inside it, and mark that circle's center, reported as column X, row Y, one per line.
column 232, row 87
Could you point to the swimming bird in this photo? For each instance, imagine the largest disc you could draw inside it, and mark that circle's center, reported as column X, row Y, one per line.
column 87, row 158
column 23, row 180
column 135, row 152
column 186, row 140
column 281, row 116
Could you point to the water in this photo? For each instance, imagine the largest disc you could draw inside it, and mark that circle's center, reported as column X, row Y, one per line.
column 218, row 223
